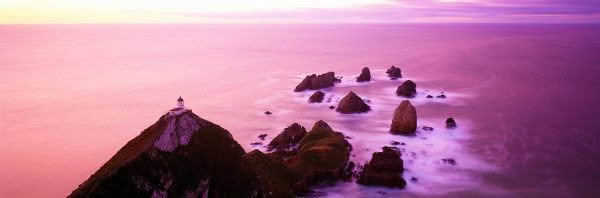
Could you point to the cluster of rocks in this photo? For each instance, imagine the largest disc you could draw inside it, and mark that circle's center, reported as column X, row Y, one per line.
column 386, row 167
column 438, row 96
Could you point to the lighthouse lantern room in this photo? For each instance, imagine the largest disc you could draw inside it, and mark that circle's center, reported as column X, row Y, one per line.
column 179, row 109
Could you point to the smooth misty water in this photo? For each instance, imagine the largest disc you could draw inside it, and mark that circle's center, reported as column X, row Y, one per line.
column 524, row 96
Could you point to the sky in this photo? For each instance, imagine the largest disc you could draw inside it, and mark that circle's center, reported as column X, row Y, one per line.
column 299, row 11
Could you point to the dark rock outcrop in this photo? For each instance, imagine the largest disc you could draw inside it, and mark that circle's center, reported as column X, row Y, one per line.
column 159, row 163
column 405, row 119
column 314, row 82
column 384, row 169
column 288, row 138
column 449, row 161
column 317, row 97
column 187, row 156
column 268, row 113
column 394, row 72
column 407, row 89
column 450, row 123
column 429, row 96
column 262, row 136
column 352, row 103
column 365, row 75
column 323, row 154
column 272, row 171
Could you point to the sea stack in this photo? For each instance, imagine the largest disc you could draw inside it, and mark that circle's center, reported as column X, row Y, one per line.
column 314, row 82
column 450, row 123
column 394, row 72
column 317, row 97
column 407, row 89
column 384, row 169
column 365, row 75
column 352, row 103
column 405, row 119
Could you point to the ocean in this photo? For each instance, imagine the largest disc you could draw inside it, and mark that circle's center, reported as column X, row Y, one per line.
column 524, row 97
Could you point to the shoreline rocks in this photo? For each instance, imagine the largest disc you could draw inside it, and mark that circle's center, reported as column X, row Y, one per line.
column 288, row 138
column 384, row 169
column 314, row 82
column 317, row 97
column 322, row 155
column 365, row 75
column 352, row 103
column 404, row 121
column 407, row 89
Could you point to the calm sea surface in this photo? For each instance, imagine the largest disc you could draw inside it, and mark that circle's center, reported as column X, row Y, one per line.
column 525, row 98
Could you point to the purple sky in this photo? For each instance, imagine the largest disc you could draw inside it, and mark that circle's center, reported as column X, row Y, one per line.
column 496, row 11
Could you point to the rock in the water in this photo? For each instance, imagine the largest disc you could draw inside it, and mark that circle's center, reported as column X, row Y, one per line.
column 365, row 75
column 449, row 161
column 262, row 136
column 331, row 107
column 441, row 96
column 314, row 82
column 256, row 143
column 407, row 89
column 182, row 156
column 268, row 113
column 317, row 97
column 450, row 123
column 352, row 103
column 427, row 128
column 394, row 72
column 288, row 138
column 384, row 169
column 429, row 96
column 405, row 119
column 395, row 143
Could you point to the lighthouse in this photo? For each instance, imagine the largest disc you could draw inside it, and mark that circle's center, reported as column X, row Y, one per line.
column 179, row 108
column 180, row 103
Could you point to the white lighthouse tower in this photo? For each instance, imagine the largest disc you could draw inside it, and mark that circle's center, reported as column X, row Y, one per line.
column 179, row 109
column 180, row 103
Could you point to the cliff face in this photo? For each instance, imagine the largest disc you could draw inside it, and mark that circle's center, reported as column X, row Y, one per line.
column 182, row 156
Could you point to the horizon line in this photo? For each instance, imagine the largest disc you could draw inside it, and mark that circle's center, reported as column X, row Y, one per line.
column 292, row 23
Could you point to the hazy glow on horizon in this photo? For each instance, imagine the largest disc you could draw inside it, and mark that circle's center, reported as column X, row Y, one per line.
column 295, row 11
